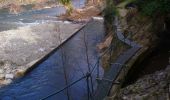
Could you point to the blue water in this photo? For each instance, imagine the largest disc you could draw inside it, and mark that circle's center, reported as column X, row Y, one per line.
column 48, row 77
column 36, row 15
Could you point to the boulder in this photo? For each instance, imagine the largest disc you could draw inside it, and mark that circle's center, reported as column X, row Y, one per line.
column 19, row 73
column 9, row 76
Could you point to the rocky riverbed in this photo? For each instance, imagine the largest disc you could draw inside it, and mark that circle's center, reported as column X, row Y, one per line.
column 22, row 47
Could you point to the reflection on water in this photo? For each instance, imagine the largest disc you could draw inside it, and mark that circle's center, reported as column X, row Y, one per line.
column 68, row 62
column 49, row 77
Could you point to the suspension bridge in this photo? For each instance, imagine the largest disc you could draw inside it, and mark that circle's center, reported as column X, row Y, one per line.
column 106, row 82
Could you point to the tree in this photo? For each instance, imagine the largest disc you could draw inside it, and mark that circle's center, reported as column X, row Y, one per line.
column 68, row 5
column 153, row 7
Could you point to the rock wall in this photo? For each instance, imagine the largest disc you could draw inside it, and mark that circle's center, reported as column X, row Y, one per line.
column 151, row 87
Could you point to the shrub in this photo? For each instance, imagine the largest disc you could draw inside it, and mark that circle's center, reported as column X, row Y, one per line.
column 153, row 7
column 68, row 5
column 109, row 14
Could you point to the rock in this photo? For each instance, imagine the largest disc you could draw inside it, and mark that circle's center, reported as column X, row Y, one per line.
column 2, row 76
column 8, row 70
column 9, row 76
column 125, row 98
column 150, row 87
column 1, row 71
column 8, row 81
column 67, row 22
column 137, row 97
column 7, row 64
column 19, row 73
column 41, row 49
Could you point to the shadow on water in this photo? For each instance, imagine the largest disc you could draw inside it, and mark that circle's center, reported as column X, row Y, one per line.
column 49, row 76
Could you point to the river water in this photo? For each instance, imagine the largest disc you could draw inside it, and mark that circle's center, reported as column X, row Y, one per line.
column 10, row 21
column 65, row 66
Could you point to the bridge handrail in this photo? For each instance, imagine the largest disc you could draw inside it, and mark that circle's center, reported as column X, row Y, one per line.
column 83, row 77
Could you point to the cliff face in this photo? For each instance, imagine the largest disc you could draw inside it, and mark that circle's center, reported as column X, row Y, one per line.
column 155, row 86
column 150, row 87
column 142, row 29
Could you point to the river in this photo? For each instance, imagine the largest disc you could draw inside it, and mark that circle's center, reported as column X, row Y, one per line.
column 63, row 67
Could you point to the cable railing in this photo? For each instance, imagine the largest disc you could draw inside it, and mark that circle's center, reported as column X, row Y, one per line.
column 55, row 93
column 88, row 75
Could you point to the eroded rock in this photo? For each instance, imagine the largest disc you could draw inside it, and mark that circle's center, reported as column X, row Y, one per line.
column 9, row 76
column 150, row 87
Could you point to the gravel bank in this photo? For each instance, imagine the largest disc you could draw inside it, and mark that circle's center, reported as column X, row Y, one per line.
column 22, row 47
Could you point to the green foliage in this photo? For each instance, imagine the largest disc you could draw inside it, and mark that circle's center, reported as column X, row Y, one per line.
column 150, row 8
column 153, row 7
column 110, row 11
column 65, row 2
column 68, row 5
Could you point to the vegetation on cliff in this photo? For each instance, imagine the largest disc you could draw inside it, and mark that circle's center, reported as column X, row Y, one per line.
column 142, row 21
column 158, row 11
column 153, row 7
column 67, row 4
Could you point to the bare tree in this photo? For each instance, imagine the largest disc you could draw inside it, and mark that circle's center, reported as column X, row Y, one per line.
column 87, row 60
column 63, row 56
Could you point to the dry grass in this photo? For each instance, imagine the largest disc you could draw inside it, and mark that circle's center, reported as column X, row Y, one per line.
column 90, row 10
column 85, row 13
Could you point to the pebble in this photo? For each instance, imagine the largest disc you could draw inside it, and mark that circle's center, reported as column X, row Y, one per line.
column 19, row 73
column 1, row 71
column 125, row 98
column 8, row 70
column 2, row 76
column 41, row 49
column 7, row 81
column 9, row 76
column 67, row 22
